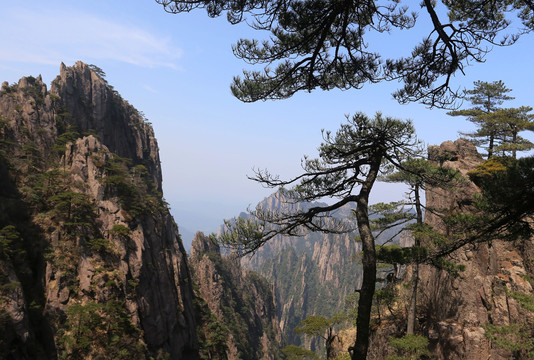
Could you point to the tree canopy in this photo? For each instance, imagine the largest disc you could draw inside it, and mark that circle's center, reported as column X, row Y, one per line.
column 497, row 128
column 331, row 44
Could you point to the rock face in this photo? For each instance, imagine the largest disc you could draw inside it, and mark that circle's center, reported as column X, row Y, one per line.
column 453, row 312
column 89, row 253
column 456, row 309
column 239, row 321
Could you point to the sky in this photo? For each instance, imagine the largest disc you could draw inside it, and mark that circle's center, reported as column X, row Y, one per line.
column 177, row 70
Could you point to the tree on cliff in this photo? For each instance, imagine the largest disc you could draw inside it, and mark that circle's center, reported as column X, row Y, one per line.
column 321, row 327
column 349, row 164
column 330, row 44
column 419, row 174
column 514, row 121
column 497, row 128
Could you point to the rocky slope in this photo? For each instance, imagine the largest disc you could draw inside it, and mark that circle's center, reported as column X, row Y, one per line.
column 236, row 308
column 91, row 262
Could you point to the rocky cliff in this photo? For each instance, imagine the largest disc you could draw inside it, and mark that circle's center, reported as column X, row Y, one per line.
column 236, row 307
column 91, row 262
column 455, row 310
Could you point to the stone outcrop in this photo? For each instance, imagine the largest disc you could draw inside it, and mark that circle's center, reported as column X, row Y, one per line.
column 455, row 310
column 240, row 320
column 96, row 107
column 85, row 236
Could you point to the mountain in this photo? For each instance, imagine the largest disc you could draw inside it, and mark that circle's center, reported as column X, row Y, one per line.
column 91, row 262
column 311, row 274
column 239, row 319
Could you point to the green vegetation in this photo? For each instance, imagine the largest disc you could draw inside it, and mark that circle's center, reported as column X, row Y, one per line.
column 517, row 337
column 294, row 352
column 497, row 128
column 49, row 221
column 34, row 90
column 10, row 243
column 409, row 347
column 321, row 327
column 133, row 185
column 101, row 245
column 98, row 71
column 235, row 319
column 70, row 134
column 99, row 330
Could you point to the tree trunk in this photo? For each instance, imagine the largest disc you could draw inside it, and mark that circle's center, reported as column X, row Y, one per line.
column 329, row 340
column 514, row 142
column 367, row 291
column 490, row 146
column 410, row 329
column 412, row 310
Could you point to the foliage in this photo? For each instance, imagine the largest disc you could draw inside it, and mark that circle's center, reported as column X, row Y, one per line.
column 497, row 128
column 211, row 333
column 69, row 135
column 133, row 185
column 297, row 279
column 328, row 44
column 120, row 230
column 318, row 325
column 10, row 242
column 385, row 296
column 103, row 330
column 294, row 352
column 526, row 301
column 507, row 197
column 34, row 90
column 488, row 169
column 513, row 337
column 394, row 254
column 514, row 121
column 235, row 320
column 345, row 356
column 74, row 208
column 98, row 71
column 101, row 245
column 409, row 347
column 340, row 170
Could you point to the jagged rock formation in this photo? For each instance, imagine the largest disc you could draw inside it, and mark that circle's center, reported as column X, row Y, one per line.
column 239, row 321
column 91, row 262
column 455, row 310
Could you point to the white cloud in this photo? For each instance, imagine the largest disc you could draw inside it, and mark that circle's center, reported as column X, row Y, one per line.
column 150, row 89
column 52, row 37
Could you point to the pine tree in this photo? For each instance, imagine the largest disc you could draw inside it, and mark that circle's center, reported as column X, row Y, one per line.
column 486, row 98
column 349, row 164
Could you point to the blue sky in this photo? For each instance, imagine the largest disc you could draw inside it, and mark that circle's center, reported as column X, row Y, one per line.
column 177, row 70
